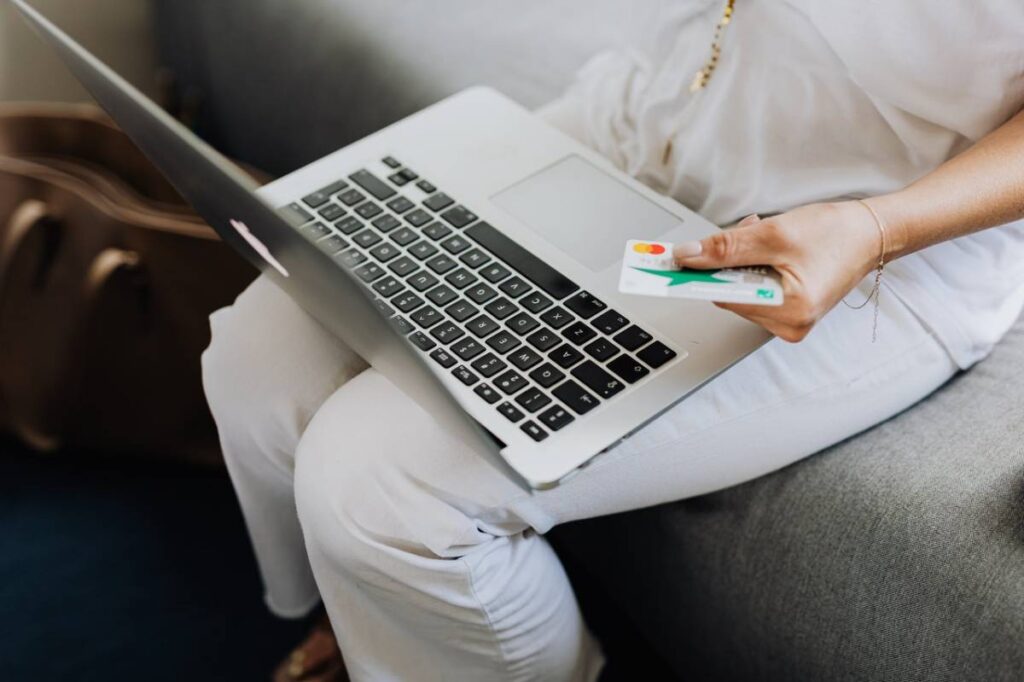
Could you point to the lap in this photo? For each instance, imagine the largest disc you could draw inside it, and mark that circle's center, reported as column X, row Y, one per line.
column 781, row 404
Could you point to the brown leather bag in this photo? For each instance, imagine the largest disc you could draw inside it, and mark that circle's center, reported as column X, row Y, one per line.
column 106, row 282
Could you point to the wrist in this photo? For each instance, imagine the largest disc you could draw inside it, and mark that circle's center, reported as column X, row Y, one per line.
column 892, row 210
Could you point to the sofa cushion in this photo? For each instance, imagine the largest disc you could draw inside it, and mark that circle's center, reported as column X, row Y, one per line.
column 898, row 554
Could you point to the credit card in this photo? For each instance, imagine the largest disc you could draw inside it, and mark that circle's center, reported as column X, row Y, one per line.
column 648, row 269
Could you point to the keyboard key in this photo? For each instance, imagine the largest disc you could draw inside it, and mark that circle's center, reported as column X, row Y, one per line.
column 391, row 162
column 443, row 358
column 534, row 269
column 404, row 266
column 439, row 202
column 461, row 311
column 426, row 186
column 578, row 333
column 407, row 302
column 400, row 205
column 455, row 245
column 463, row 374
column 609, row 322
column 404, row 236
column 417, row 218
column 556, row 317
column 628, row 369
column 532, row 399
column 317, row 230
column 656, row 354
column 598, row 380
column 547, row 375
column 525, row 358
column 294, row 213
column 510, row 382
column 437, row 231
column 459, row 216
column 333, row 244
column 447, row 332
column 585, row 305
column 316, row 199
column 369, row 272
column 421, row 341
column 534, row 431
column 352, row 197
column 349, row 225
column 461, row 278
column 504, row 342
column 408, row 173
column 480, row 293
column 442, row 295
column 388, row 287
column 522, row 324
column 467, row 348
column 369, row 210
column 510, row 412
column 386, row 223
column 501, row 308
column 385, row 252
column 489, row 365
column 565, row 356
column 351, row 258
column 601, row 349
column 475, row 258
column 441, row 264
column 422, row 281
column 401, row 325
column 543, row 339
column 423, row 249
column 331, row 212
column 487, row 393
column 398, row 179
column 535, row 302
column 384, row 308
column 514, row 287
column 426, row 317
column 576, row 397
column 494, row 273
column 366, row 238
column 555, row 418
column 633, row 337
column 481, row 326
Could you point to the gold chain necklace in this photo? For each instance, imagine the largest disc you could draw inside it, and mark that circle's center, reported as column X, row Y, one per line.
column 703, row 75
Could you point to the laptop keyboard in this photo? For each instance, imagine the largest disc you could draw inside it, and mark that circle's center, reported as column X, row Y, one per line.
column 527, row 340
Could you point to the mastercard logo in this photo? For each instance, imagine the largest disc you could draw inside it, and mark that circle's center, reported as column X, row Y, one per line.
column 653, row 249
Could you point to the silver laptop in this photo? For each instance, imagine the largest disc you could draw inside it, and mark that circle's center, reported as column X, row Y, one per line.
column 471, row 254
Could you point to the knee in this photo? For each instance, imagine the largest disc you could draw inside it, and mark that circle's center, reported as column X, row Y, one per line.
column 375, row 494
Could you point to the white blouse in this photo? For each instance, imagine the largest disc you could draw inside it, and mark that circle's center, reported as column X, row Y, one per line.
column 815, row 101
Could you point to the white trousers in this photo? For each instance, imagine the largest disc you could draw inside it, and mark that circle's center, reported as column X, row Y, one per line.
column 431, row 563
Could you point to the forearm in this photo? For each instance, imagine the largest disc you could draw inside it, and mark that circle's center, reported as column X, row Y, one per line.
column 980, row 188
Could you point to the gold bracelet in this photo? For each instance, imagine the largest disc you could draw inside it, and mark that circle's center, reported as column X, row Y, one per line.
column 876, row 290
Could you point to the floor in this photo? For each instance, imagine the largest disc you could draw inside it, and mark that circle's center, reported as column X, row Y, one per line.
column 111, row 571
column 115, row 570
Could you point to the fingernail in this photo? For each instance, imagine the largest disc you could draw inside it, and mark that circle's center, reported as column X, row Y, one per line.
column 687, row 249
column 750, row 219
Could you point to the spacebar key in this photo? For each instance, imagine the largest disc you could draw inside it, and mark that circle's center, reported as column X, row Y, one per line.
column 372, row 184
column 536, row 270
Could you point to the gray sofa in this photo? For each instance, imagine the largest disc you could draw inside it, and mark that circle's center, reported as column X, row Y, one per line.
column 898, row 555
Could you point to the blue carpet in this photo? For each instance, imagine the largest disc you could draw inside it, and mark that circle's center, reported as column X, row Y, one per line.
column 115, row 571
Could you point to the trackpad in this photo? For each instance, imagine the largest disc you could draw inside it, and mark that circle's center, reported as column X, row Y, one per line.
column 585, row 212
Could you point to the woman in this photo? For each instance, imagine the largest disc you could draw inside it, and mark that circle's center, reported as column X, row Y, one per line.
column 430, row 563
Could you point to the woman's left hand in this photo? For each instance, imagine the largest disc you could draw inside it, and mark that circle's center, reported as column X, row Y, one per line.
column 822, row 251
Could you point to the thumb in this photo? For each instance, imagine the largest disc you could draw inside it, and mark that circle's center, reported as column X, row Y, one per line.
column 734, row 247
